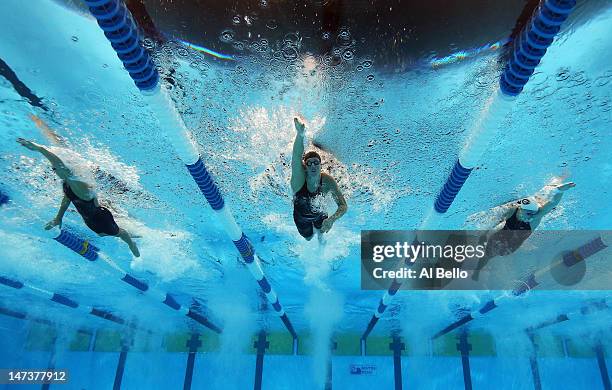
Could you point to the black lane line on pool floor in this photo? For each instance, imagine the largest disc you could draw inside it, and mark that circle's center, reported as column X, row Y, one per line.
column 397, row 347
column 533, row 363
column 7, row 72
column 51, row 365
column 464, row 347
column 261, row 345
column 601, row 362
column 193, row 344
column 120, row 368
column 328, row 378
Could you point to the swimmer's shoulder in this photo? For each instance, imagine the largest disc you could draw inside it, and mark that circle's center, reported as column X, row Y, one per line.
column 82, row 189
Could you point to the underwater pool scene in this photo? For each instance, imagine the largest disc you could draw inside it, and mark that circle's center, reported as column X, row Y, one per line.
column 185, row 187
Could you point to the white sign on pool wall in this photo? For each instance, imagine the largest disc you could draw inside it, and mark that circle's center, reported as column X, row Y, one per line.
column 362, row 369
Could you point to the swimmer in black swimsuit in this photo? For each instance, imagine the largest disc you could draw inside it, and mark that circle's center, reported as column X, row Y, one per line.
column 308, row 183
column 81, row 195
column 519, row 219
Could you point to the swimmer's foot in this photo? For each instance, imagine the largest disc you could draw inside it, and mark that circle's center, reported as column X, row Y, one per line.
column 134, row 249
column 125, row 236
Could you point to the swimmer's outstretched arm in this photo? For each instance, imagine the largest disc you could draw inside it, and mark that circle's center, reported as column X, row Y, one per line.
column 53, row 159
column 557, row 194
column 47, row 131
column 57, row 221
column 298, row 176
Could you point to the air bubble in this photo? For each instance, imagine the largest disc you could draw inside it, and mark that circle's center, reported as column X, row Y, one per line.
column 367, row 64
column 359, row 68
column 226, row 36
column 74, row 38
column 236, row 20
column 292, row 39
column 326, row 35
column 148, row 43
column 344, row 37
column 370, row 77
column 238, row 45
column 182, row 52
column 290, row 53
column 272, row 24
column 348, row 55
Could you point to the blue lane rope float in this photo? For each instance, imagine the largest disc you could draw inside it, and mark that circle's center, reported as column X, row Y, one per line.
column 530, row 282
column 11, row 313
column 120, row 29
column 92, row 253
column 529, row 48
column 61, row 299
column 532, row 42
column 451, row 188
column 78, row 245
column 586, row 310
column 589, row 249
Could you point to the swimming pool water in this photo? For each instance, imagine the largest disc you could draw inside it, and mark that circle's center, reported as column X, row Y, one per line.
column 390, row 137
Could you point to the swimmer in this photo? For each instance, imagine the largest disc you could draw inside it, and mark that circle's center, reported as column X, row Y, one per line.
column 82, row 195
column 307, row 182
column 519, row 219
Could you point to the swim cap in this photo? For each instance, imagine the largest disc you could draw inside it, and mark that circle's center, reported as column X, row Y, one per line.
column 311, row 154
column 529, row 204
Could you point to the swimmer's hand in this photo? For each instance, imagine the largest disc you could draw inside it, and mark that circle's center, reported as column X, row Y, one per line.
column 566, row 186
column 327, row 225
column 299, row 125
column 53, row 223
column 27, row 144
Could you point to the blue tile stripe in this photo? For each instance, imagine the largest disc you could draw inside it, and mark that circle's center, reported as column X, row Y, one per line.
column 78, row 245
column 451, row 188
column 206, row 184
column 116, row 21
column 531, row 44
